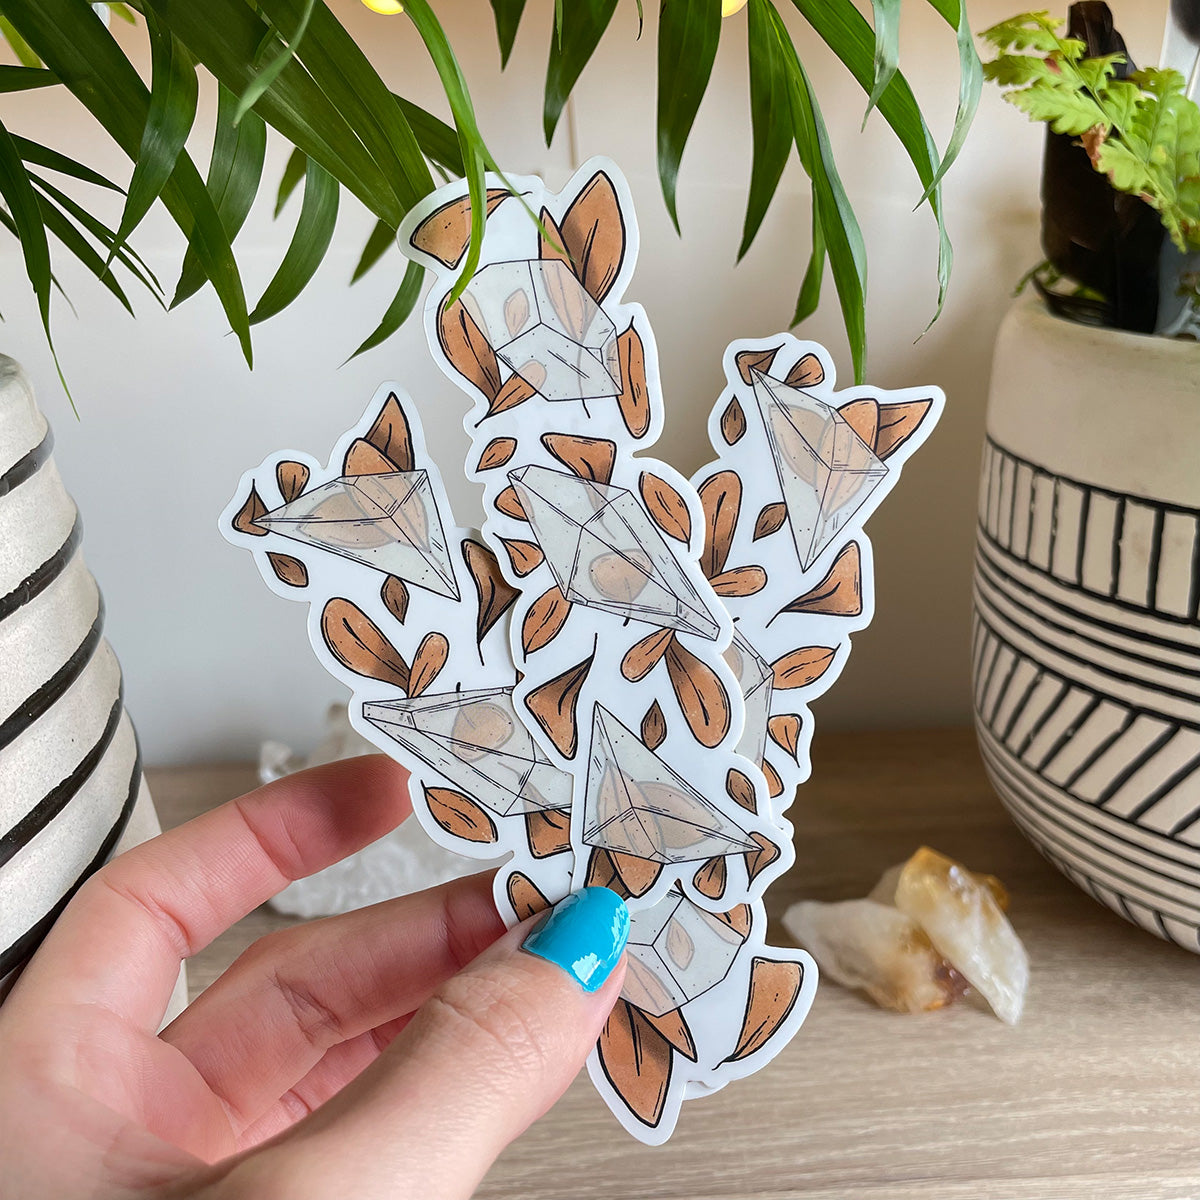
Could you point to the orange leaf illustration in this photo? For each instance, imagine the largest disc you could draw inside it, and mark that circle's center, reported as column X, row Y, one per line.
column 459, row 815
column 808, row 372
column 428, row 662
column 546, row 616
column 524, row 556
column 355, row 641
column 770, row 519
column 774, row 988
column 288, row 569
column 839, row 594
column 446, row 232
column 634, row 400
column 390, row 435
column 496, row 453
column 654, row 727
column 749, row 361
column 468, row 351
column 291, row 479
column 802, row 667
column 645, row 655
column 721, row 498
column 667, row 508
column 593, row 234
column 492, row 590
column 742, row 581
column 553, row 706
column 254, row 508
column 733, row 422
column 700, row 693
column 589, row 458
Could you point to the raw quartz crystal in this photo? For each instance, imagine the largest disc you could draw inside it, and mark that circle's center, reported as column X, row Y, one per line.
column 756, row 679
column 605, row 552
column 928, row 932
column 676, row 952
column 545, row 327
column 878, row 949
column 389, row 522
column 826, row 471
column 478, row 743
column 635, row 804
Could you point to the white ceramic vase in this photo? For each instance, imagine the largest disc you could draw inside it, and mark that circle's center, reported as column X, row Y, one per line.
column 72, row 793
column 1086, row 653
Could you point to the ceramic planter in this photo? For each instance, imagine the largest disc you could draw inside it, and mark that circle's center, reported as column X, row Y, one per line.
column 1086, row 654
column 71, row 787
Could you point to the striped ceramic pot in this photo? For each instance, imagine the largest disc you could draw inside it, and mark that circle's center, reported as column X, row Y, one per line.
column 1086, row 653
column 71, row 786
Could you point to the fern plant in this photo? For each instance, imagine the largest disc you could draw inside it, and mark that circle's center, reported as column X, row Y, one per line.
column 292, row 67
column 1142, row 132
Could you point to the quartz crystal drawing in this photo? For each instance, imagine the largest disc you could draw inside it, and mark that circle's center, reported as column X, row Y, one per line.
column 389, row 522
column 826, row 470
column 677, row 952
column 605, row 552
column 610, row 683
column 476, row 741
column 545, row 327
column 638, row 805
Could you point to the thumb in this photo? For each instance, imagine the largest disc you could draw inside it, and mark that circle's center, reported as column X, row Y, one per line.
column 491, row 1050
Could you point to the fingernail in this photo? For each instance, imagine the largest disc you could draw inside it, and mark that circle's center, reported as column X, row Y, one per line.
column 584, row 934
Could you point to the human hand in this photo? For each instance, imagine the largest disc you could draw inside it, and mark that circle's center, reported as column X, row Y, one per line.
column 393, row 1051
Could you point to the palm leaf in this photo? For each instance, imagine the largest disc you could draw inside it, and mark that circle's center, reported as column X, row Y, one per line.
column 173, row 93
column 887, row 48
column 688, row 33
column 22, row 79
column 44, row 156
column 398, row 311
column 772, row 137
column 73, row 42
column 281, row 55
column 234, row 172
column 508, row 17
column 311, row 239
column 383, row 236
column 578, row 36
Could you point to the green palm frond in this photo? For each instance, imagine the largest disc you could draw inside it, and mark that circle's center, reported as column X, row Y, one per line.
column 291, row 67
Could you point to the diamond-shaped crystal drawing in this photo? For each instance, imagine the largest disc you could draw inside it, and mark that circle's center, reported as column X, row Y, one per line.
column 545, row 327
column 826, row 470
column 635, row 804
column 756, row 679
column 606, row 553
column 389, row 522
column 476, row 740
column 676, row 952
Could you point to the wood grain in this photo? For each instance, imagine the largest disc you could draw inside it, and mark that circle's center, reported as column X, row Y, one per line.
column 1095, row 1095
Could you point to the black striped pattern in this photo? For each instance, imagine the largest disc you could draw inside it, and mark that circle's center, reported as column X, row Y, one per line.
column 1086, row 668
column 79, row 765
column 15, row 955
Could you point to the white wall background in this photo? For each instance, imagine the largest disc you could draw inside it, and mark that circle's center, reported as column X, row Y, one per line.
column 170, row 416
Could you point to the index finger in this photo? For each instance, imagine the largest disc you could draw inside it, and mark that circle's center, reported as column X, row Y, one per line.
column 120, row 941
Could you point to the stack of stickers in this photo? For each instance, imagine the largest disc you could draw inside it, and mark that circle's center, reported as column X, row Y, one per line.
column 610, row 682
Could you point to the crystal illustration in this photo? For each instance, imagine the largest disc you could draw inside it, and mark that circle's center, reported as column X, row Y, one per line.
column 635, row 804
column 676, row 952
column 606, row 553
column 389, row 522
column 826, row 470
column 476, row 740
column 544, row 326
column 755, row 678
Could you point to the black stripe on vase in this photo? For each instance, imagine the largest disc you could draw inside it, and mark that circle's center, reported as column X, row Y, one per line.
column 43, row 576
column 28, row 465
column 1104, row 745
column 57, row 798
column 42, row 700
column 1082, row 514
column 14, row 956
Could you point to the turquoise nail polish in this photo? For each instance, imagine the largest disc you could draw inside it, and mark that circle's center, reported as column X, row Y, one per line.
column 584, row 934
